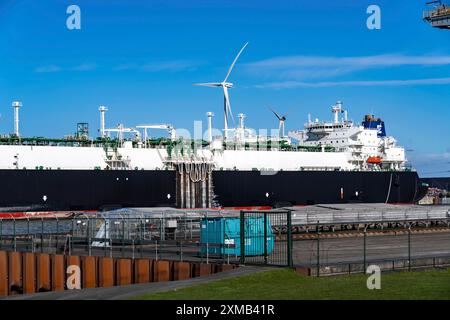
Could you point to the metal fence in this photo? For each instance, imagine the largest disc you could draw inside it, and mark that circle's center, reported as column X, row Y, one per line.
column 277, row 238
column 267, row 238
column 324, row 251
column 172, row 238
column 345, row 242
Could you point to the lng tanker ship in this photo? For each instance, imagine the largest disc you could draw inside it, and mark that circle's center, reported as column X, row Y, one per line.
column 326, row 162
column 334, row 161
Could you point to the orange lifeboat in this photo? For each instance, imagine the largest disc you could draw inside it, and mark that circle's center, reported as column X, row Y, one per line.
column 374, row 160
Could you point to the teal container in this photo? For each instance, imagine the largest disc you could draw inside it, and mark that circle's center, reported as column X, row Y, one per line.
column 221, row 236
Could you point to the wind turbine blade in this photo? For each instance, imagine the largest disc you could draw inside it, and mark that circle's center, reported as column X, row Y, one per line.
column 234, row 62
column 276, row 114
column 289, row 111
column 208, row 84
column 227, row 101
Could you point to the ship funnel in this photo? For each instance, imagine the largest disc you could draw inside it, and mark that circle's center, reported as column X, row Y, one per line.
column 16, row 105
column 102, row 110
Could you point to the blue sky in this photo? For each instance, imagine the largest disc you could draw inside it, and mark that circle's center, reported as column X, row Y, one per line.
column 140, row 58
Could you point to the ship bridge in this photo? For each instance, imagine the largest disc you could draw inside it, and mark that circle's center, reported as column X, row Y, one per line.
column 439, row 16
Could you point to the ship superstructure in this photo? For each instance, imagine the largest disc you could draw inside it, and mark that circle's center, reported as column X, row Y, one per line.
column 366, row 144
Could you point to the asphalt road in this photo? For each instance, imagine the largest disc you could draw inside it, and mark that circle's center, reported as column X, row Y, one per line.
column 344, row 250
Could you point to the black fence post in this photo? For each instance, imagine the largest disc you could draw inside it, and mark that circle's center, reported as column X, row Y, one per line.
column 42, row 234
column 265, row 237
column 104, row 243
column 14, row 232
column 289, row 239
column 365, row 248
column 123, row 238
column 409, row 247
column 318, row 250
column 242, row 237
column 57, row 235
column 141, row 240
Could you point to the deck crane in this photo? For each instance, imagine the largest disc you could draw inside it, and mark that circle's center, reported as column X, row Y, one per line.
column 121, row 130
column 164, row 126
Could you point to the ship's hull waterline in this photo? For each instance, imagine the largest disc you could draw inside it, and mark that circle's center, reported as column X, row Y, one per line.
column 35, row 190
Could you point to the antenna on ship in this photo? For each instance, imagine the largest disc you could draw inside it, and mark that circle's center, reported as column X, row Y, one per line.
column 16, row 105
column 281, row 120
column 102, row 110
column 225, row 85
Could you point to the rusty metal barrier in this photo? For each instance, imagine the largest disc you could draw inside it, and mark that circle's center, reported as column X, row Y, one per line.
column 28, row 272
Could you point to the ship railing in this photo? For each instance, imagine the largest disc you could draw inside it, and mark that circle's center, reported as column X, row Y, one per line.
column 436, row 13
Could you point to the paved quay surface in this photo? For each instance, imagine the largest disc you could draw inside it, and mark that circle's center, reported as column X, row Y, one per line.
column 126, row 292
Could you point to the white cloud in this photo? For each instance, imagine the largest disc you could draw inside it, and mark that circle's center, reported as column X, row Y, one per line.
column 431, row 164
column 83, row 67
column 299, row 68
column 425, row 157
column 55, row 68
column 158, row 66
column 362, row 83
column 365, row 61
column 48, row 69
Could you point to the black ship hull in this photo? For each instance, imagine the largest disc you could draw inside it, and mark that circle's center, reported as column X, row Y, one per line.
column 70, row 190
column 253, row 188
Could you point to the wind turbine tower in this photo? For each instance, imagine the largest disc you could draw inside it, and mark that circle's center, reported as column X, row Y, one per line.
column 282, row 120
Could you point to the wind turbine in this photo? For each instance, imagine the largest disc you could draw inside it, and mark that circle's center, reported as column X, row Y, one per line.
column 281, row 119
column 225, row 86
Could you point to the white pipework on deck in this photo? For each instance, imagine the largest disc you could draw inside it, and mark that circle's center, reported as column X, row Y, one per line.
column 16, row 105
column 102, row 110
column 241, row 117
column 210, row 115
